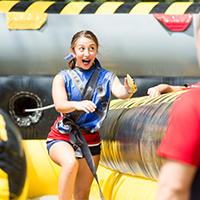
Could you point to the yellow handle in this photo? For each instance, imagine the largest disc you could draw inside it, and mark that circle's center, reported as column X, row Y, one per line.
column 131, row 83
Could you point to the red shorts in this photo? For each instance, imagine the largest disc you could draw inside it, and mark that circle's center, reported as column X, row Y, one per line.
column 91, row 139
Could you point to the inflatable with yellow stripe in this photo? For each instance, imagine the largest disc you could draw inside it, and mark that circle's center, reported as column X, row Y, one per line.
column 129, row 165
column 153, row 42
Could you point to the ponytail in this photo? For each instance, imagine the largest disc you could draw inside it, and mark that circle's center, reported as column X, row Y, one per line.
column 72, row 63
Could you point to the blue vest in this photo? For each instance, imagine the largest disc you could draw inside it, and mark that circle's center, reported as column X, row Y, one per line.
column 101, row 97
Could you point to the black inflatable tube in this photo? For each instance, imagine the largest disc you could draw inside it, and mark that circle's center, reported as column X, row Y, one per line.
column 130, row 136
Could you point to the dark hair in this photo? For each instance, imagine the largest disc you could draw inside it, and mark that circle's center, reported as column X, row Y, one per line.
column 85, row 33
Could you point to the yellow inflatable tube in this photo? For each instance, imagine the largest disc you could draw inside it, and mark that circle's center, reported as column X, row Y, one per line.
column 118, row 186
column 42, row 174
column 43, row 177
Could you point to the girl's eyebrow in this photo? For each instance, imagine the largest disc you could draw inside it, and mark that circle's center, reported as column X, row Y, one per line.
column 81, row 44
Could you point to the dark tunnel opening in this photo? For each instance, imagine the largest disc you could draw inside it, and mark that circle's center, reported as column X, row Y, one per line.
column 24, row 103
column 21, row 101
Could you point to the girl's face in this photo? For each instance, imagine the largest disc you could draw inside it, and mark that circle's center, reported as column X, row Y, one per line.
column 85, row 52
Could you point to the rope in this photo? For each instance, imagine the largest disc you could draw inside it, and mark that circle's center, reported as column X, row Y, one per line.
column 39, row 109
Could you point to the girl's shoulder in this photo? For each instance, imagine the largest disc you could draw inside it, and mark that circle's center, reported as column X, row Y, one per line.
column 64, row 72
column 103, row 70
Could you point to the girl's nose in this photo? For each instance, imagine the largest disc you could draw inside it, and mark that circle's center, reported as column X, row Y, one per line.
column 86, row 52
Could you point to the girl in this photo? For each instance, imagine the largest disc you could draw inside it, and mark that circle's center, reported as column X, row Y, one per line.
column 81, row 94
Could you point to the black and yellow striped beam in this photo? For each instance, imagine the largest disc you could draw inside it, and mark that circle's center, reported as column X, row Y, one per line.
column 74, row 8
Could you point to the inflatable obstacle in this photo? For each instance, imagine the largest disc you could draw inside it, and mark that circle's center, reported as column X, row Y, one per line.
column 129, row 166
column 139, row 42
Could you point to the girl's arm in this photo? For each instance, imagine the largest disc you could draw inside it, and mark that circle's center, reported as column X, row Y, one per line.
column 162, row 88
column 61, row 102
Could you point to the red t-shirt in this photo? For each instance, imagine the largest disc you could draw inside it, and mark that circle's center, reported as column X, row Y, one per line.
column 181, row 141
column 91, row 139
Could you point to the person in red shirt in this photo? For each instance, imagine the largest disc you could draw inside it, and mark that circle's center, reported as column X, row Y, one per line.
column 181, row 148
column 179, row 177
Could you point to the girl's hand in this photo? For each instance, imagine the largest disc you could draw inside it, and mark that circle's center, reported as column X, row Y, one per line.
column 153, row 92
column 120, row 90
column 128, row 88
column 86, row 106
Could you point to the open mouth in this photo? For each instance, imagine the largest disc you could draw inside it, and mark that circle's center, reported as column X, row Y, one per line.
column 86, row 62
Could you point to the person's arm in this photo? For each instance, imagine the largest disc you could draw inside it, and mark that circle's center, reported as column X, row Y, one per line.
column 161, row 89
column 175, row 180
column 61, row 102
column 119, row 90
